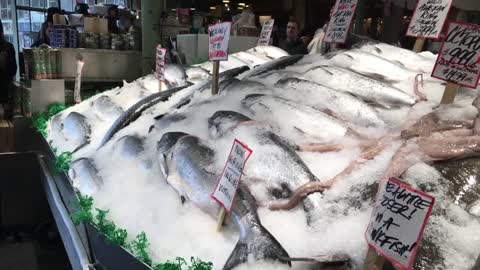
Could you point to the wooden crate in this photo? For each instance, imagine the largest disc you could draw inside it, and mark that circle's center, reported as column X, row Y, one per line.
column 6, row 136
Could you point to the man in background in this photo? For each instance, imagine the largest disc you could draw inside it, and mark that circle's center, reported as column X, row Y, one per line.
column 8, row 69
column 293, row 44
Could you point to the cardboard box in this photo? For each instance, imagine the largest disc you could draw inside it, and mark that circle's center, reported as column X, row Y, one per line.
column 95, row 25
column 6, row 136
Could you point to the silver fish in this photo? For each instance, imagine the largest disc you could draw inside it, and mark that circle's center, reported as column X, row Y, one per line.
column 407, row 58
column 186, row 162
column 175, row 75
column 105, row 108
column 366, row 88
column 76, row 129
column 197, row 74
column 271, row 52
column 275, row 164
column 134, row 112
column 344, row 105
column 276, row 64
column 84, row 176
column 130, row 146
column 300, row 117
column 371, row 65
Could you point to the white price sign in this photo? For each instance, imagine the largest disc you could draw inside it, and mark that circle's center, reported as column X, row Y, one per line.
column 458, row 59
column 429, row 18
column 266, row 33
column 340, row 21
column 218, row 37
column 160, row 62
column 397, row 223
column 227, row 185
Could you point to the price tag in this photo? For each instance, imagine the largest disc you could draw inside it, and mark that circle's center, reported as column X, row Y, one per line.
column 397, row 223
column 160, row 62
column 340, row 21
column 227, row 185
column 266, row 33
column 458, row 59
column 218, row 37
column 429, row 18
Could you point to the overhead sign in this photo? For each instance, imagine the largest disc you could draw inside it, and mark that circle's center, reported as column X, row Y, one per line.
column 218, row 37
column 340, row 21
column 397, row 223
column 458, row 59
column 266, row 33
column 227, row 185
column 160, row 62
column 429, row 18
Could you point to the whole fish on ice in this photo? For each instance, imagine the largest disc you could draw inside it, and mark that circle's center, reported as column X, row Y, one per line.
column 291, row 116
column 186, row 160
column 76, row 129
column 366, row 88
column 271, row 52
column 105, row 108
column 368, row 65
column 407, row 58
column 175, row 75
column 197, row 74
column 84, row 176
column 345, row 106
column 275, row 170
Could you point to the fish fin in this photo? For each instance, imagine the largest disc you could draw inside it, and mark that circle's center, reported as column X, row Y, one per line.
column 158, row 117
column 378, row 77
column 260, row 244
column 81, row 146
column 151, row 128
column 399, row 63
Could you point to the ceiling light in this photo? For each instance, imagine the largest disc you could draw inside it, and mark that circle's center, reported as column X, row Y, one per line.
column 212, row 8
column 192, row 8
column 240, row 8
column 241, row 4
column 226, row 1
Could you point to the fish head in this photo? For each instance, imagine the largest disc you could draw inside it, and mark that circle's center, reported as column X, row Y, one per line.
column 286, row 82
column 164, row 147
column 251, row 99
column 76, row 128
column 221, row 121
column 175, row 75
column 84, row 176
column 129, row 146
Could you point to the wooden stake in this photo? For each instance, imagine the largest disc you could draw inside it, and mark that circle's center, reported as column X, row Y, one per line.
column 373, row 261
column 221, row 219
column 216, row 68
column 419, row 45
column 450, row 93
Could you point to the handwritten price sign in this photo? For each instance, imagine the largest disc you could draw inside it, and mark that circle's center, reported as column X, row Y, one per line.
column 226, row 188
column 429, row 18
column 218, row 37
column 458, row 59
column 340, row 21
column 397, row 223
column 266, row 33
column 160, row 62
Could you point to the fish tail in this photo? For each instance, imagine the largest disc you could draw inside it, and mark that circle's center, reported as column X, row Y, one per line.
column 258, row 244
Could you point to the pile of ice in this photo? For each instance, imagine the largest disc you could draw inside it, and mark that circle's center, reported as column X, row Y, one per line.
column 139, row 198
